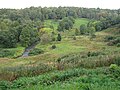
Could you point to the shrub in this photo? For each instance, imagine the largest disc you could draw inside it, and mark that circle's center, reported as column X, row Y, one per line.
column 35, row 51
column 6, row 53
column 114, row 42
column 108, row 38
column 114, row 70
column 74, row 38
column 59, row 37
column 53, row 39
column 53, row 46
column 90, row 54
column 118, row 45
column 4, row 85
column 113, row 67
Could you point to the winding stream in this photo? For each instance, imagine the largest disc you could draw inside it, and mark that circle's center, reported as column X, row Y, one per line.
column 28, row 49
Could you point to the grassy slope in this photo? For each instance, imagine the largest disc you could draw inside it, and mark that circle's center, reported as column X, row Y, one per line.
column 79, row 22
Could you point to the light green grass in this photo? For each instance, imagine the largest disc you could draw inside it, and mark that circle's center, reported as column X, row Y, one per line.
column 66, row 48
column 79, row 22
column 48, row 23
column 62, row 48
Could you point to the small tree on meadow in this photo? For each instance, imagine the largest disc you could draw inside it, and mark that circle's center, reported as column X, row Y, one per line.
column 59, row 37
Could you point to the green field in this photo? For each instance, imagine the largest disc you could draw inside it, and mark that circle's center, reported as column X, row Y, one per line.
column 79, row 22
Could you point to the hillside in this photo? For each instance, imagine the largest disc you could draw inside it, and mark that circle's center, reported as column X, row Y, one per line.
column 59, row 48
column 65, row 67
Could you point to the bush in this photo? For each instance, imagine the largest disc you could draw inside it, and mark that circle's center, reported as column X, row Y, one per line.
column 53, row 39
column 114, row 70
column 118, row 45
column 35, row 51
column 59, row 37
column 90, row 54
column 108, row 38
column 4, row 85
column 53, row 46
column 114, row 42
column 6, row 53
column 74, row 38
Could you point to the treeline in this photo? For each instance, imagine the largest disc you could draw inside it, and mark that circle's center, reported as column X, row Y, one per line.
column 98, row 25
column 21, row 26
column 39, row 13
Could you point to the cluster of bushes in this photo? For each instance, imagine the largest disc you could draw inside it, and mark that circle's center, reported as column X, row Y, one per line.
column 36, row 51
column 115, row 71
column 90, row 54
column 66, row 24
column 113, row 41
column 6, row 53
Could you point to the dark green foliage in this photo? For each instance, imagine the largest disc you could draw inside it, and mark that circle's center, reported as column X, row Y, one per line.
column 118, row 44
column 115, row 41
column 90, row 54
column 28, row 36
column 6, row 53
column 4, row 85
column 59, row 37
column 108, row 38
column 74, row 38
column 8, row 39
column 53, row 46
column 114, row 70
column 35, row 51
column 53, row 38
column 83, row 29
column 66, row 24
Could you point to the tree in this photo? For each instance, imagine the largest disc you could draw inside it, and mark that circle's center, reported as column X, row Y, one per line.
column 65, row 24
column 92, row 32
column 7, row 39
column 83, row 29
column 59, row 37
column 77, row 32
column 45, row 38
column 28, row 36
